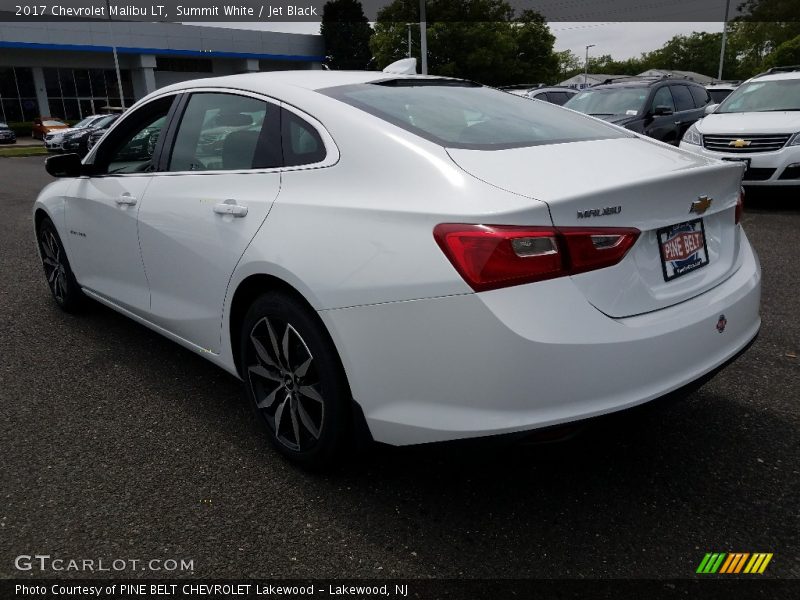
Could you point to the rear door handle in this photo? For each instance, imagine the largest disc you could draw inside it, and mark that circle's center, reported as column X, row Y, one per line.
column 126, row 200
column 230, row 207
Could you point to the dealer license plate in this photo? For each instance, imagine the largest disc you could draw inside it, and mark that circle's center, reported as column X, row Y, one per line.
column 683, row 248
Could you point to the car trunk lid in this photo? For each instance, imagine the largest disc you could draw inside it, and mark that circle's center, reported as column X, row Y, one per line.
column 629, row 182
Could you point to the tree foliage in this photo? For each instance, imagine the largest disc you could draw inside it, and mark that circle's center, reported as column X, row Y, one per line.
column 346, row 33
column 490, row 44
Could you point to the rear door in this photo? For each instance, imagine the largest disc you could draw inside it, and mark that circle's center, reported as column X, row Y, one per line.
column 219, row 179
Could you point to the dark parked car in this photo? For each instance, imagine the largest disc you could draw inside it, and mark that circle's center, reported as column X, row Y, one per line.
column 80, row 140
column 7, row 135
column 554, row 94
column 662, row 108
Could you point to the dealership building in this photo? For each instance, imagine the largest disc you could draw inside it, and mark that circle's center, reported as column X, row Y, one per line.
column 66, row 69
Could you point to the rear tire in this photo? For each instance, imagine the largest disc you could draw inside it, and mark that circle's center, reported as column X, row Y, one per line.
column 294, row 380
column 57, row 271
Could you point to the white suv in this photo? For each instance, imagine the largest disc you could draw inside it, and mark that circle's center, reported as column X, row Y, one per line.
column 758, row 124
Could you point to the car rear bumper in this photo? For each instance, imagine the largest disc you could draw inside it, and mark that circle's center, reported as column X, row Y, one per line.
column 530, row 356
column 779, row 168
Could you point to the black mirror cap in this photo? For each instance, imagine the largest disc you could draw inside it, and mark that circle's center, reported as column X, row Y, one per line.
column 663, row 111
column 64, row 165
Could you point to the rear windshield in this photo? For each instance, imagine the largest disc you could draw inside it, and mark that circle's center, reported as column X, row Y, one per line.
column 459, row 114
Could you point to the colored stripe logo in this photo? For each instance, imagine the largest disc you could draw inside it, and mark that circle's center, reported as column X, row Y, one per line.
column 734, row 563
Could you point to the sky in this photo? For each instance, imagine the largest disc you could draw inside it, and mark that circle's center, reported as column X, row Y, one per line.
column 620, row 40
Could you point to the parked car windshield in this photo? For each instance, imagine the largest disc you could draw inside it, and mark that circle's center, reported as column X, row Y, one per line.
column 605, row 102
column 763, row 96
column 459, row 114
column 54, row 124
column 105, row 121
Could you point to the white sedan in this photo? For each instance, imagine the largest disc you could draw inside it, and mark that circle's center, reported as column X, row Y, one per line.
column 403, row 258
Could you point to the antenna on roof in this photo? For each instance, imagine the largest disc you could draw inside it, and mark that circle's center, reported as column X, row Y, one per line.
column 405, row 66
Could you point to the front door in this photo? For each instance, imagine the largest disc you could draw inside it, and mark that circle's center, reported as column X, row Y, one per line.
column 101, row 213
column 199, row 216
column 662, row 126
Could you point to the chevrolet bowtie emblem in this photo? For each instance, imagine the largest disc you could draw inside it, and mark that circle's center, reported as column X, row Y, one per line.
column 700, row 205
column 739, row 143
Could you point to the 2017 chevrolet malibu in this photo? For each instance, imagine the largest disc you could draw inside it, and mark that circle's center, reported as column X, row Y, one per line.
column 414, row 259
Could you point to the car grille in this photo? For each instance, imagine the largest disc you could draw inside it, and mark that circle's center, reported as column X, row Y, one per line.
column 757, row 143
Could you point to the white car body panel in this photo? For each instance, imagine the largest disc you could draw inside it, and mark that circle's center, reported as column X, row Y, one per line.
column 104, row 239
column 426, row 357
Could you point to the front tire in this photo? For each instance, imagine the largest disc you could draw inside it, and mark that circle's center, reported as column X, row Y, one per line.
column 294, row 380
column 60, row 279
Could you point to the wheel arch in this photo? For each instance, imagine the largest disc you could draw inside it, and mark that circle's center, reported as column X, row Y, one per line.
column 250, row 288
column 253, row 286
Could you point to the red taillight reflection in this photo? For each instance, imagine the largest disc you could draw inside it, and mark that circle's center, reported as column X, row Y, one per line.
column 739, row 207
column 495, row 256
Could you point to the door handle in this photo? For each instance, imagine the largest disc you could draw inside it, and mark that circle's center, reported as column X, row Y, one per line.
column 230, row 207
column 126, row 200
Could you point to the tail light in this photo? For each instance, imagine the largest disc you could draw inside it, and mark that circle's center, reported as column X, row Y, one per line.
column 496, row 256
column 739, row 207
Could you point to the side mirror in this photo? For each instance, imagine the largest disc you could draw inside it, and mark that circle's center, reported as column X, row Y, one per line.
column 64, row 165
column 662, row 111
column 711, row 108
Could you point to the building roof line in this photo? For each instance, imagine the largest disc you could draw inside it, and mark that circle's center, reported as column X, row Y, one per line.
column 162, row 51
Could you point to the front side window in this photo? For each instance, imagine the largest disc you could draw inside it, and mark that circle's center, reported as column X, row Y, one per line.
column 131, row 148
column 458, row 114
column 223, row 132
column 663, row 97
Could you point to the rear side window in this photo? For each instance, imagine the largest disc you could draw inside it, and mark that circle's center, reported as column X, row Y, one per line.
column 683, row 98
column 224, row 132
column 302, row 145
column 458, row 114
column 700, row 95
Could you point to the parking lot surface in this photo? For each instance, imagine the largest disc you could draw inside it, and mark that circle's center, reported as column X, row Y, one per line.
column 117, row 443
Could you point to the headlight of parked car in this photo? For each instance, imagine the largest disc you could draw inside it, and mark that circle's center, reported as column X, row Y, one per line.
column 795, row 141
column 692, row 136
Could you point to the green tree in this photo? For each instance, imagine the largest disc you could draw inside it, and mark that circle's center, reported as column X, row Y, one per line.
column 755, row 36
column 346, row 33
column 698, row 52
column 788, row 53
column 489, row 44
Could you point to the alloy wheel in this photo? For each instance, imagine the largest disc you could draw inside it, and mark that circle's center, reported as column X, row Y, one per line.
column 285, row 384
column 54, row 268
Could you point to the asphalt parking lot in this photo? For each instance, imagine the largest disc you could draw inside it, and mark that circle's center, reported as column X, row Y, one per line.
column 117, row 443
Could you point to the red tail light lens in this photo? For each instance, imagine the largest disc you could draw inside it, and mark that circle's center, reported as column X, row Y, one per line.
column 739, row 207
column 495, row 256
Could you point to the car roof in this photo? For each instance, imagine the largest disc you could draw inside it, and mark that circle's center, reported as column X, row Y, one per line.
column 308, row 80
column 641, row 82
column 779, row 76
column 553, row 88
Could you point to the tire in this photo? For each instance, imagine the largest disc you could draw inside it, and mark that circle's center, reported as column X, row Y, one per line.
column 302, row 400
column 57, row 271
